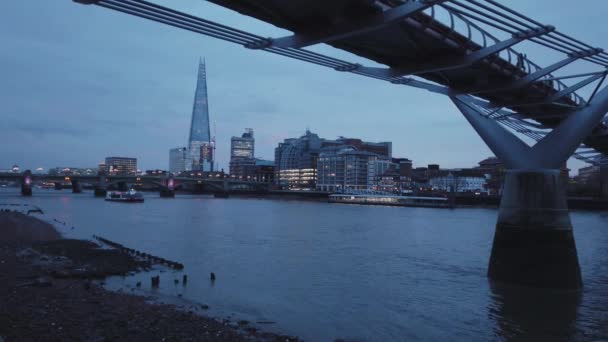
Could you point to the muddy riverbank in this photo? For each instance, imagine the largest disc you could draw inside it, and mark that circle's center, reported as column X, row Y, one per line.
column 49, row 290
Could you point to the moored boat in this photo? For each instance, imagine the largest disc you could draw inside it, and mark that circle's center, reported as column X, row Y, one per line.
column 387, row 199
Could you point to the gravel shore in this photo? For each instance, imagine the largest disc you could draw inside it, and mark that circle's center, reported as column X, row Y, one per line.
column 47, row 294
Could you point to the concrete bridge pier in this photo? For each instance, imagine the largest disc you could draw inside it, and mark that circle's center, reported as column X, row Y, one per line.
column 76, row 186
column 26, row 183
column 604, row 180
column 169, row 190
column 58, row 186
column 122, row 186
column 101, row 187
column 534, row 244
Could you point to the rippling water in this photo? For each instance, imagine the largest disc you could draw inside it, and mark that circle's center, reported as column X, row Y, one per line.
column 326, row 271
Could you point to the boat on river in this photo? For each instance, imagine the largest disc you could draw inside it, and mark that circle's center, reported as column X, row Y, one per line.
column 130, row 196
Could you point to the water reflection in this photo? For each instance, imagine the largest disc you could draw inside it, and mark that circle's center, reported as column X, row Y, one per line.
column 525, row 314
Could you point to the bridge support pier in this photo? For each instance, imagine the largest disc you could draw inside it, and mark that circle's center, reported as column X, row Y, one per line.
column 100, row 192
column 167, row 193
column 534, row 244
column 604, row 180
column 26, row 183
column 76, row 186
column 169, row 190
column 101, row 187
column 58, row 186
column 122, row 186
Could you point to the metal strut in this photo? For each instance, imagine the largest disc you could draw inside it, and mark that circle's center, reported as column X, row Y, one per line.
column 551, row 151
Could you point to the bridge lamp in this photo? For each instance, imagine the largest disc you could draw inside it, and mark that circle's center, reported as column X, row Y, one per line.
column 28, row 180
column 67, row 178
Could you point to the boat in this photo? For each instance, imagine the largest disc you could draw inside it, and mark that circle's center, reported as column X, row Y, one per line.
column 128, row 196
column 390, row 199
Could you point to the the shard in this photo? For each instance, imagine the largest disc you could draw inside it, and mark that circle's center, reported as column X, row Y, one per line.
column 200, row 146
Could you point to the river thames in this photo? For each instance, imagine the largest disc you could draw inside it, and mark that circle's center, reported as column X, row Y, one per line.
column 330, row 271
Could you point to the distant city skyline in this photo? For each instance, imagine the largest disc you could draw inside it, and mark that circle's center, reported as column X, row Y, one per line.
column 86, row 82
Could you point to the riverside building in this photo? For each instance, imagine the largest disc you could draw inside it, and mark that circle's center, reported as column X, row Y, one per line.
column 297, row 161
column 242, row 151
column 123, row 166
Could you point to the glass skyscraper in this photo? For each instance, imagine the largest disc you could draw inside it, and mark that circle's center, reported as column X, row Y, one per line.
column 198, row 156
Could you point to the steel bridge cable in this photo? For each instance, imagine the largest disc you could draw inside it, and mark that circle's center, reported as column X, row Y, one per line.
column 489, row 16
column 160, row 14
column 286, row 53
column 520, row 15
column 311, row 54
column 251, row 37
column 570, row 40
column 472, row 16
column 526, row 26
column 122, row 7
column 215, row 25
column 489, row 9
column 460, row 12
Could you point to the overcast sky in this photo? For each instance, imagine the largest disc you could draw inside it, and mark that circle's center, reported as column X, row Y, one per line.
column 79, row 83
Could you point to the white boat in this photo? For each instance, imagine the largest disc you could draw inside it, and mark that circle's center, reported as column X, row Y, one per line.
column 385, row 199
column 128, row 196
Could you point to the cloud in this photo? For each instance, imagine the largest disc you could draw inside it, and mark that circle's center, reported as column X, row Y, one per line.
column 39, row 128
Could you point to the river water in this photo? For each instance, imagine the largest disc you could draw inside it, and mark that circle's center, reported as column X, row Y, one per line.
column 327, row 271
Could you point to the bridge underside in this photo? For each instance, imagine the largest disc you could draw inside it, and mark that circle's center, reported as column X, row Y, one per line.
column 414, row 41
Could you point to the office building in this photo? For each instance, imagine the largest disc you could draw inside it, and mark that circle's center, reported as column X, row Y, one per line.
column 177, row 160
column 343, row 169
column 242, row 161
column 243, row 146
column 200, row 142
column 296, row 162
column 297, row 158
column 121, row 166
column 383, row 149
column 376, row 170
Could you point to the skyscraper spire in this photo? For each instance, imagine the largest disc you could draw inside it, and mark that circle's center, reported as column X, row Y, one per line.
column 199, row 142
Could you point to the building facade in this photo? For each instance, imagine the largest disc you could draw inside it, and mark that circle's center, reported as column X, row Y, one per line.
column 296, row 162
column 375, row 170
column 177, row 160
column 242, row 152
column 344, row 169
column 465, row 180
column 264, row 171
column 199, row 156
column 121, row 166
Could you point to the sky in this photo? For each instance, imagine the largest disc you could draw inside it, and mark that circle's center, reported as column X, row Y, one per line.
column 79, row 83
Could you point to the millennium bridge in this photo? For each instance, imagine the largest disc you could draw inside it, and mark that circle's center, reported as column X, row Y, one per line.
column 466, row 50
